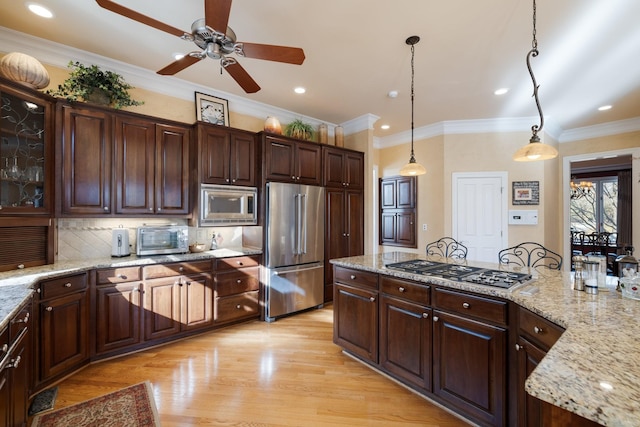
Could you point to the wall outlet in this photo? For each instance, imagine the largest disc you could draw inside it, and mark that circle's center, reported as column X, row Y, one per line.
column 424, row 227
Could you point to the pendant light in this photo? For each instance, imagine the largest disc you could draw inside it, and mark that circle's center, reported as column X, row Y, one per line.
column 535, row 150
column 412, row 168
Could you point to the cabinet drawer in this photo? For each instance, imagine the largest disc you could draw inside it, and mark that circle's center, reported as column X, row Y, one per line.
column 538, row 329
column 237, row 262
column 19, row 323
column 237, row 281
column 355, row 277
column 62, row 286
column 473, row 306
column 237, row 307
column 411, row 291
column 108, row 276
column 175, row 269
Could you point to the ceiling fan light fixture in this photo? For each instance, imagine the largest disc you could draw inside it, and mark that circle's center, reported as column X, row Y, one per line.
column 412, row 168
column 40, row 10
column 535, row 150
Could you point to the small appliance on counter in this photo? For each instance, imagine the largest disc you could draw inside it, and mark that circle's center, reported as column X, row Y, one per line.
column 120, row 242
column 162, row 240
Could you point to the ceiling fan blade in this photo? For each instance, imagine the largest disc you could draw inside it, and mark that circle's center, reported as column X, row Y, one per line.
column 179, row 65
column 241, row 76
column 216, row 14
column 269, row 52
column 132, row 14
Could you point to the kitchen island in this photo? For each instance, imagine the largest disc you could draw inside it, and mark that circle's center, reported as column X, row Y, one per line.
column 592, row 370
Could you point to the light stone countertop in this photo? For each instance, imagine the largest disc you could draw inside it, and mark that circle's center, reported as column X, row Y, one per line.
column 17, row 285
column 593, row 370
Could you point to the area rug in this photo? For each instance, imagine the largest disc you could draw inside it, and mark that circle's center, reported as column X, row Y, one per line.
column 43, row 401
column 132, row 407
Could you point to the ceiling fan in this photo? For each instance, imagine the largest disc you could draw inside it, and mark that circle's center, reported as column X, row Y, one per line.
column 207, row 33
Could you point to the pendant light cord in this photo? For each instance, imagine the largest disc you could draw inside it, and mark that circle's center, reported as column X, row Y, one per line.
column 533, row 53
column 412, row 95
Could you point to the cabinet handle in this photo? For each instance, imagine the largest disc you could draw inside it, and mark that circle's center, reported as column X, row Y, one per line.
column 15, row 362
column 159, row 209
column 227, row 179
column 239, row 263
column 150, row 209
column 348, row 234
column 425, row 315
column 189, row 283
column 372, row 299
column 49, row 308
column 24, row 320
column 466, row 305
column 233, row 180
column 401, row 289
column 67, row 285
column 537, row 330
column 293, row 178
column 298, row 178
column 21, row 266
column 180, row 269
column 436, row 318
column 106, row 209
column 344, row 234
column 238, row 307
column 518, row 347
column 5, row 348
column 239, row 281
column 353, row 277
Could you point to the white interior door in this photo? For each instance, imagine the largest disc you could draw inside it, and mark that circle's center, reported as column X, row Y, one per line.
column 480, row 213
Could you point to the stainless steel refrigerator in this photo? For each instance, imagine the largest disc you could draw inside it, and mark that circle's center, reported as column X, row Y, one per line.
column 294, row 254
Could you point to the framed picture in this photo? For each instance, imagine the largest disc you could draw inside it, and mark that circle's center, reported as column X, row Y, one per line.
column 526, row 193
column 211, row 109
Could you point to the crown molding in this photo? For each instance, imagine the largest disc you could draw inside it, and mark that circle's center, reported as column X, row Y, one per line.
column 364, row 122
column 604, row 129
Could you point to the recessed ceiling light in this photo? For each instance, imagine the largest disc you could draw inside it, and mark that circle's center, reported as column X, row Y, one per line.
column 40, row 10
column 604, row 108
column 393, row 94
column 501, row 91
column 299, row 89
column 178, row 55
column 384, row 127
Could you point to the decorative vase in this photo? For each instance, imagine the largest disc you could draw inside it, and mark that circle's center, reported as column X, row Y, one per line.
column 272, row 125
column 323, row 136
column 339, row 136
column 24, row 69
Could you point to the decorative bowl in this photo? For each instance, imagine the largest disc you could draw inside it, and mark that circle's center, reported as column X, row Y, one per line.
column 197, row 247
column 630, row 287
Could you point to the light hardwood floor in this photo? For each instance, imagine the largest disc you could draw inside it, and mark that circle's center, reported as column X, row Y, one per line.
column 285, row 373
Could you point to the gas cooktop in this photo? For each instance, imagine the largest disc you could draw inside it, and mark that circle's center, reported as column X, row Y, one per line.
column 462, row 273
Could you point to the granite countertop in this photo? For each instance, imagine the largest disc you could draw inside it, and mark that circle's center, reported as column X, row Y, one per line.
column 593, row 370
column 17, row 285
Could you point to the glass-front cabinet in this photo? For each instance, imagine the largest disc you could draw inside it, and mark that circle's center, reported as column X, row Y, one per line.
column 25, row 150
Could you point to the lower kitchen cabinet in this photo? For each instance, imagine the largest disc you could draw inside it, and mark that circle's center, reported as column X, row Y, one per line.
column 237, row 284
column 63, row 320
column 16, row 368
column 355, row 312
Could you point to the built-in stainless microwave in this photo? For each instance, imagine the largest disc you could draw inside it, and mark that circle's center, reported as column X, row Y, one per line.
column 228, row 205
column 160, row 240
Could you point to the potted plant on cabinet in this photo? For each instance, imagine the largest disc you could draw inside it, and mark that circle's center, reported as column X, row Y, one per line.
column 299, row 129
column 91, row 84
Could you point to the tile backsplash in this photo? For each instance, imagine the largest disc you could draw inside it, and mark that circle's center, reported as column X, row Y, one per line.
column 86, row 238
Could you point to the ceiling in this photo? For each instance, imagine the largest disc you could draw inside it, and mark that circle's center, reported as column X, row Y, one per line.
column 356, row 54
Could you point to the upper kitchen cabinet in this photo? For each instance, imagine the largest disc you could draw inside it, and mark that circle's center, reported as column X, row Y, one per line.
column 226, row 155
column 397, row 214
column 151, row 166
column 291, row 160
column 26, row 132
column 85, row 151
column 121, row 163
column 343, row 168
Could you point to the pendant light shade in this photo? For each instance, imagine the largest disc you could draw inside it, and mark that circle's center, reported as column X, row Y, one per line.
column 535, row 150
column 412, row 168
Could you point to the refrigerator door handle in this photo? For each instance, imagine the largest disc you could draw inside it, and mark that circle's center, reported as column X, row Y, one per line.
column 298, row 213
column 296, row 270
column 303, row 225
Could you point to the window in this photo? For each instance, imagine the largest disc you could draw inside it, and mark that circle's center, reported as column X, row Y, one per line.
column 596, row 210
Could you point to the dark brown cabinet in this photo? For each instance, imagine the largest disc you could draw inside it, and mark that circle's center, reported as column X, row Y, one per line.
column 226, row 156
column 405, row 331
column 343, row 168
column 355, row 312
column 16, row 368
column 63, row 326
column 85, row 161
column 470, row 354
column 344, row 229
column 398, row 211
column 290, row 160
column 237, row 285
column 172, row 170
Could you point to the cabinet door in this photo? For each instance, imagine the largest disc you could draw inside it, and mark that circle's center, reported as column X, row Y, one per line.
column 162, row 308
column 354, row 170
column 134, row 164
column 63, row 334
column 529, row 408
column 406, row 192
column 406, row 229
column 333, row 167
column 5, row 397
column 86, row 155
column 387, row 194
column 469, row 367
column 172, row 170
column 355, row 320
column 243, row 160
column 355, row 222
column 196, row 302
column 20, row 383
column 405, row 341
column 118, row 316
column 308, row 164
column 335, row 234
column 215, row 152
column 279, row 158
column 387, row 228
